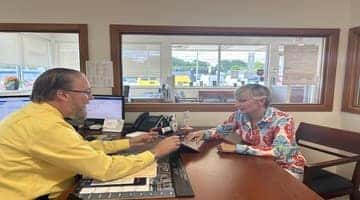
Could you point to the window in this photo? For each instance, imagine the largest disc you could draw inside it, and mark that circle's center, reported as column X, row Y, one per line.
column 217, row 65
column 143, row 61
column 31, row 49
column 198, row 68
column 351, row 96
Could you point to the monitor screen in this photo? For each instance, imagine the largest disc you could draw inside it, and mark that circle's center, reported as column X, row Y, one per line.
column 106, row 107
column 10, row 104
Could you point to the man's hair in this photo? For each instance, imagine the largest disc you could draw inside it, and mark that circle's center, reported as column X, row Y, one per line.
column 255, row 91
column 49, row 82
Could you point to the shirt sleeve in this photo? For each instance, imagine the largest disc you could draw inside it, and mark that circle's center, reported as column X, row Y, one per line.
column 110, row 146
column 283, row 144
column 63, row 147
column 226, row 127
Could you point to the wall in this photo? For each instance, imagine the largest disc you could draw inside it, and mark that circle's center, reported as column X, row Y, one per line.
column 233, row 13
column 348, row 120
column 355, row 13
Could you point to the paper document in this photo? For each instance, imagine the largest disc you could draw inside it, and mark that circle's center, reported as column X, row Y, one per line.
column 121, row 181
column 136, row 133
column 113, row 125
column 149, row 172
column 194, row 145
column 110, row 189
column 100, row 73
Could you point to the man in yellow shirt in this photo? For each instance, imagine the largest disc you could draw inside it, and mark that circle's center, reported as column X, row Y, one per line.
column 40, row 152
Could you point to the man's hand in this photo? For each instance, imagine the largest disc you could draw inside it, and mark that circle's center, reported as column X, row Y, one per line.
column 225, row 147
column 197, row 136
column 145, row 138
column 166, row 146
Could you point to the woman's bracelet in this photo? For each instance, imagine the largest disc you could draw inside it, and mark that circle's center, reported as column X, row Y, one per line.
column 207, row 134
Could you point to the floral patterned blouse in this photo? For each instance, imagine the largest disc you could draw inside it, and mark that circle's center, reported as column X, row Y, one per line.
column 274, row 135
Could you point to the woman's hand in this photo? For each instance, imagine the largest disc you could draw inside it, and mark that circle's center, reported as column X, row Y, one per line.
column 144, row 138
column 225, row 147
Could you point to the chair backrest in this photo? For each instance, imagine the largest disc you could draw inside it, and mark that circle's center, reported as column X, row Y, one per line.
column 336, row 138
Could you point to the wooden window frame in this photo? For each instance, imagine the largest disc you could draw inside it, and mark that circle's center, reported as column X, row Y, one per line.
column 330, row 59
column 81, row 29
column 352, row 73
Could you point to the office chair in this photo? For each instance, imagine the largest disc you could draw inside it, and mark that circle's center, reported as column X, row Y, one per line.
column 345, row 145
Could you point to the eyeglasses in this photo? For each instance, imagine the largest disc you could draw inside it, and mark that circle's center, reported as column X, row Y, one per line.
column 243, row 100
column 251, row 98
column 87, row 92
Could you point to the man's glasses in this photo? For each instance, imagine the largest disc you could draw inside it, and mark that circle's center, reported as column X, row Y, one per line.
column 87, row 92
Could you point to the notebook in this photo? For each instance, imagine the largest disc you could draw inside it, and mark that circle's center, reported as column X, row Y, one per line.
column 192, row 144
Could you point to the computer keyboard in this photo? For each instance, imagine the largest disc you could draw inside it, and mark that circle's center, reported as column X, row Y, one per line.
column 171, row 181
column 180, row 179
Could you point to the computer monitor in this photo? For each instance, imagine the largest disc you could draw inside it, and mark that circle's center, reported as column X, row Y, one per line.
column 106, row 107
column 9, row 104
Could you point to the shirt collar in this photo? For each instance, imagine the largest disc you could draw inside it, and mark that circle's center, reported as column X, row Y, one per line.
column 266, row 119
column 268, row 115
column 47, row 107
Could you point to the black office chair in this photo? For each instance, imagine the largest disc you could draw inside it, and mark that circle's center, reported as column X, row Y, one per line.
column 325, row 183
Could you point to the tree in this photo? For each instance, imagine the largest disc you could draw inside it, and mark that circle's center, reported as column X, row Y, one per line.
column 182, row 65
column 228, row 65
column 258, row 65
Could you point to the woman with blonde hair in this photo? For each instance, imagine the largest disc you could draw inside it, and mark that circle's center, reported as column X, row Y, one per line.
column 264, row 130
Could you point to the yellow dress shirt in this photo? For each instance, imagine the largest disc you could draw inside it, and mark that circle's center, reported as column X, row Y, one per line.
column 40, row 153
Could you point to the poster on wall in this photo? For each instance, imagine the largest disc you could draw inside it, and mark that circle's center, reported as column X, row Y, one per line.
column 300, row 64
column 100, row 73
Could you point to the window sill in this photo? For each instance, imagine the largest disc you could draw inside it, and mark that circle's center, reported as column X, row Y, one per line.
column 14, row 92
column 217, row 107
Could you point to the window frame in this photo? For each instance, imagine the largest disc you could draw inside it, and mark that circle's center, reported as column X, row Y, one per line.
column 81, row 29
column 330, row 60
column 352, row 72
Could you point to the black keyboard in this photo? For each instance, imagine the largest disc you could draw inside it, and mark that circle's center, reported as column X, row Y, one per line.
column 179, row 176
column 171, row 181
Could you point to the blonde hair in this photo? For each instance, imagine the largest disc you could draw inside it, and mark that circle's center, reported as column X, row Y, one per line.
column 256, row 91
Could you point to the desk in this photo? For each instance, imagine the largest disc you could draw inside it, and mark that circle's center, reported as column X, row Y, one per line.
column 217, row 176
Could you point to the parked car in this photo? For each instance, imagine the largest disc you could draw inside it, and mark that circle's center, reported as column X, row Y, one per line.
column 182, row 80
column 151, row 81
